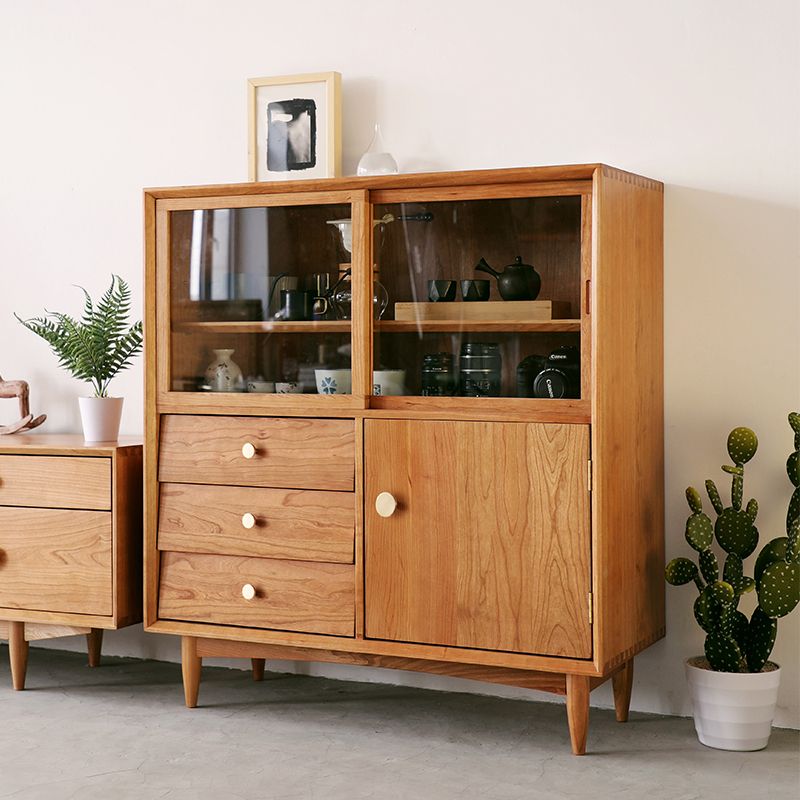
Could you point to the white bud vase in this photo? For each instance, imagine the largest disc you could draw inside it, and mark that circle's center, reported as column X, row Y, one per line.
column 377, row 161
column 223, row 374
column 100, row 417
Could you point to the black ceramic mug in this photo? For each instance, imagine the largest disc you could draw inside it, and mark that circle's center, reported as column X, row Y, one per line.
column 296, row 305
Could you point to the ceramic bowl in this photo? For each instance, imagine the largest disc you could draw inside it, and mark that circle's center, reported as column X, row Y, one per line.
column 388, row 382
column 262, row 387
column 475, row 290
column 333, row 381
column 288, row 388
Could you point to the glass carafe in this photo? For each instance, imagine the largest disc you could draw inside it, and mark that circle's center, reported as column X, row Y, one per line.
column 341, row 296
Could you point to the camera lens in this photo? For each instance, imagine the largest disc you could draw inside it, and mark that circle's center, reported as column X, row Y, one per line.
column 551, row 383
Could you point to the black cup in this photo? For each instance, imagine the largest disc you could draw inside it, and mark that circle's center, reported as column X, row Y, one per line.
column 296, row 305
column 441, row 291
column 475, row 290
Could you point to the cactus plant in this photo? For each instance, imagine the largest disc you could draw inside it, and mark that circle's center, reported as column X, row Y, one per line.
column 734, row 643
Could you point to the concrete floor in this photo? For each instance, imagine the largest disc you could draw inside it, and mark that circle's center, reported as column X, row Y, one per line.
column 121, row 731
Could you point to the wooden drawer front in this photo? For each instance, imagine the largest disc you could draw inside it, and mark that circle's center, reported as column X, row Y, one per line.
column 55, row 482
column 294, row 524
column 289, row 453
column 54, row 560
column 290, row 595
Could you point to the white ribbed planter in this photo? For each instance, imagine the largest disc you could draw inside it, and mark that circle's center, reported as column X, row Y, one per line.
column 733, row 711
column 100, row 417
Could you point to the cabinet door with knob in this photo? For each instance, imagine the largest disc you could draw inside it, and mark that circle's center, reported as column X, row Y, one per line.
column 477, row 535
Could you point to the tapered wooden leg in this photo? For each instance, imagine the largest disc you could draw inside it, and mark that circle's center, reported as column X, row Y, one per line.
column 578, row 711
column 18, row 654
column 622, row 683
column 258, row 668
column 190, row 666
column 94, row 643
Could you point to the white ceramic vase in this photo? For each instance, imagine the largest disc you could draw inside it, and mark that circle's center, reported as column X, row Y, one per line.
column 100, row 417
column 733, row 711
column 223, row 373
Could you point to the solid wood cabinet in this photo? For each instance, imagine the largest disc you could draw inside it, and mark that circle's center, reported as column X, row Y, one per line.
column 70, row 541
column 470, row 488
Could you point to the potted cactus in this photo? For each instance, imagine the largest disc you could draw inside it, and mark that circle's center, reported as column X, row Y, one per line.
column 734, row 687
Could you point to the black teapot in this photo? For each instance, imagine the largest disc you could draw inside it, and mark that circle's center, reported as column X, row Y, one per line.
column 517, row 281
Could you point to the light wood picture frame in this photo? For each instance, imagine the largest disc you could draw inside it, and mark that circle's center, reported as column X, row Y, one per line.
column 295, row 126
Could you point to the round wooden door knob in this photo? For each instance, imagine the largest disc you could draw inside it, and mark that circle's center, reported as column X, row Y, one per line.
column 248, row 591
column 385, row 504
column 248, row 449
column 248, row 521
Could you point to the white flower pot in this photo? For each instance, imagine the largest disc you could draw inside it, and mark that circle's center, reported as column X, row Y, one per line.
column 733, row 711
column 100, row 417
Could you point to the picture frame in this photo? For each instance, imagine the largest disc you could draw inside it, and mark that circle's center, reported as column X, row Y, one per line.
column 295, row 127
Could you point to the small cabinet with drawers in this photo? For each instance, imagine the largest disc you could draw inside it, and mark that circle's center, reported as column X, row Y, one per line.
column 70, row 541
column 363, row 448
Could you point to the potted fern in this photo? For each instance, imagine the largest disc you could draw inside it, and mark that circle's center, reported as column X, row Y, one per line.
column 94, row 348
column 734, row 686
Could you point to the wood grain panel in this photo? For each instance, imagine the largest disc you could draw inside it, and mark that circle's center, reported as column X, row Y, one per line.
column 291, row 453
column 528, row 679
column 458, row 655
column 62, row 444
column 55, row 482
column 36, row 631
column 489, row 546
column 290, row 595
column 570, row 172
column 52, row 560
column 628, row 430
column 291, row 524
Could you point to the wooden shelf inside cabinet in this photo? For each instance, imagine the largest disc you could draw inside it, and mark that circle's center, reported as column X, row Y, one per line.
column 323, row 326
column 386, row 326
column 479, row 326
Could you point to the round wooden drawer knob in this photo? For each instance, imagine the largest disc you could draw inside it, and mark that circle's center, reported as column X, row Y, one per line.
column 248, row 591
column 385, row 504
column 248, row 521
column 248, row 449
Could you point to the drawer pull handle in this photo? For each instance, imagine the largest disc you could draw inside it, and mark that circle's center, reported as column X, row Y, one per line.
column 248, row 521
column 248, row 450
column 385, row 504
column 248, row 591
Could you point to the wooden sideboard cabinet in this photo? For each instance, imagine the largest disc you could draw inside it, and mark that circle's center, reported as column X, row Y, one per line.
column 471, row 488
column 70, row 541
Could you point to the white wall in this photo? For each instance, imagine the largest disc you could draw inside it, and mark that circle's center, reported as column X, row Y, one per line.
column 100, row 99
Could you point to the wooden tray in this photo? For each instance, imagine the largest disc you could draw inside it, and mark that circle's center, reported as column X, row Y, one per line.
column 484, row 311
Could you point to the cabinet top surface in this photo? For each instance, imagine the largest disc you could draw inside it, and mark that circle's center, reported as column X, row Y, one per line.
column 568, row 172
column 65, row 444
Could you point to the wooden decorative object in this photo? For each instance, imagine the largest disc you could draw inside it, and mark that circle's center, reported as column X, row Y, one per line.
column 506, row 539
column 20, row 391
column 70, row 541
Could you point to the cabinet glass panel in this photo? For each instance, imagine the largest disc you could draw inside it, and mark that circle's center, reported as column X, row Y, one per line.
column 260, row 299
column 484, row 298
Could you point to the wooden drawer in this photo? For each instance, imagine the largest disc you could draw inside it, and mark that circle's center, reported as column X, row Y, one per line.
column 55, row 482
column 290, row 595
column 288, row 453
column 295, row 524
column 55, row 560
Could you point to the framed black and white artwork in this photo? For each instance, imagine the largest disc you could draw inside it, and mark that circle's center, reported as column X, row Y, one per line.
column 295, row 127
